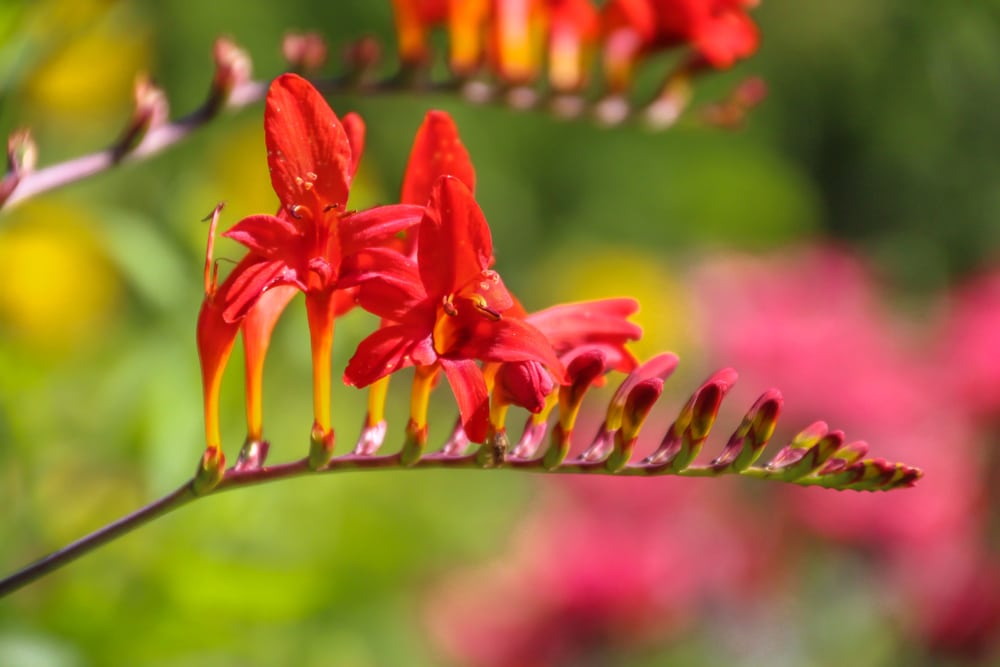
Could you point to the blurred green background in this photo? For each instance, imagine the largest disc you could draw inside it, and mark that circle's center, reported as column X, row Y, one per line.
column 880, row 132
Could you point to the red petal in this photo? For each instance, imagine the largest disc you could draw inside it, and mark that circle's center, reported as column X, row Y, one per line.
column 507, row 339
column 248, row 281
column 385, row 351
column 266, row 235
column 308, row 151
column 574, row 327
column 636, row 15
column 454, row 245
column 437, row 151
column 389, row 283
column 466, row 380
column 726, row 38
column 354, row 126
column 376, row 225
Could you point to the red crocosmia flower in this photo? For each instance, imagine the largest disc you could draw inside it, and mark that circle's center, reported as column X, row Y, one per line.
column 464, row 20
column 437, row 151
column 573, row 30
column 447, row 307
column 718, row 30
column 312, row 158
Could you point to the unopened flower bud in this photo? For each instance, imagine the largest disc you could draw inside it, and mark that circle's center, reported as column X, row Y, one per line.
column 523, row 383
column 304, row 52
column 150, row 111
column 21, row 155
column 22, row 152
column 233, row 68
column 637, row 407
column 752, row 435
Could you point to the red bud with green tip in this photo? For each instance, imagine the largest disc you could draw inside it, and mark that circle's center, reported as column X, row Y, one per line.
column 582, row 373
column 660, row 366
column 847, row 455
column 640, row 401
column 688, row 433
column 810, row 459
column 752, row 435
column 797, row 448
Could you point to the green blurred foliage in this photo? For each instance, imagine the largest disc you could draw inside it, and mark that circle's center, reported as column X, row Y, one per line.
column 880, row 130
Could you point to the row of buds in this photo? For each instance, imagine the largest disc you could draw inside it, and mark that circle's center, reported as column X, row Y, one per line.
column 147, row 130
column 520, row 42
column 511, row 41
column 424, row 267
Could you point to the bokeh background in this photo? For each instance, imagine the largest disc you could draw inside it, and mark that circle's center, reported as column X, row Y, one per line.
column 842, row 246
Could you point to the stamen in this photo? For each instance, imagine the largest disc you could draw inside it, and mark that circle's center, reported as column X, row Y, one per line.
column 211, row 268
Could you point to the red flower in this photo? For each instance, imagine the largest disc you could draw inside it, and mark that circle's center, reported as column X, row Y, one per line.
column 312, row 158
column 464, row 18
column 437, row 151
column 447, row 307
column 718, row 30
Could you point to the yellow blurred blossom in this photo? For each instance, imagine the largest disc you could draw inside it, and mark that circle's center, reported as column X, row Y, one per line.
column 59, row 286
column 91, row 53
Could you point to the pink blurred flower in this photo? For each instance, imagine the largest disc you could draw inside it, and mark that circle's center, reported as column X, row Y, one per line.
column 599, row 566
column 815, row 323
column 811, row 322
column 971, row 345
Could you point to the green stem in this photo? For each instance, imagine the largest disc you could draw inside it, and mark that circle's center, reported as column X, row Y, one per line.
column 234, row 478
column 112, row 531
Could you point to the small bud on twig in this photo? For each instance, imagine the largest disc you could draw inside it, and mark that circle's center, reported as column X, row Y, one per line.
column 21, row 156
column 233, row 68
column 305, row 52
column 151, row 110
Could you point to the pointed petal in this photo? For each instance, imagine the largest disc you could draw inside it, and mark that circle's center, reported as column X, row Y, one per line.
column 454, row 245
column 437, row 151
column 377, row 225
column 469, row 387
column 308, row 151
column 354, row 127
column 385, row 351
column 266, row 235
